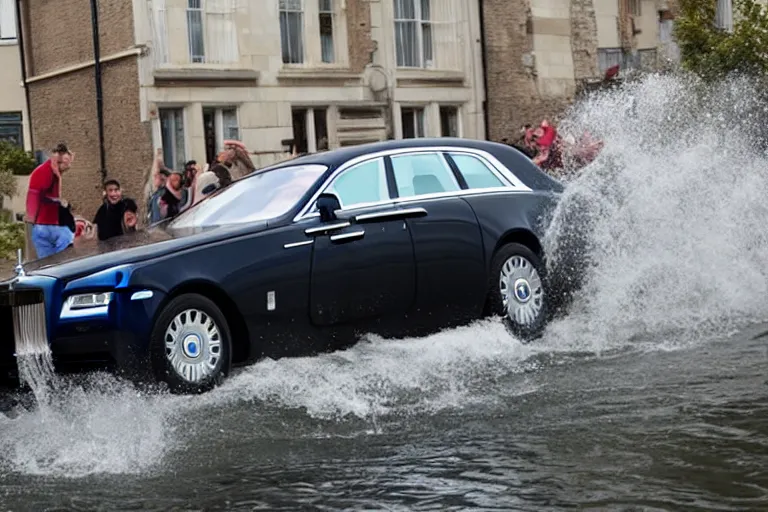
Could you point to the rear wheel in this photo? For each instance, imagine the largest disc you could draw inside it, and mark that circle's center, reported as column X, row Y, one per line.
column 191, row 345
column 517, row 291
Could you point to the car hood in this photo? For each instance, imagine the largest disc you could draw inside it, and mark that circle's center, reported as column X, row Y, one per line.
column 89, row 256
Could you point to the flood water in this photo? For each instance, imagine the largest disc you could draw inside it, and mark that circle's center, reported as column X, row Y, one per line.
column 652, row 394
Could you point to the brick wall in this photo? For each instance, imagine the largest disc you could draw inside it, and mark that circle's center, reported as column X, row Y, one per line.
column 63, row 107
column 359, row 34
column 59, row 31
column 513, row 95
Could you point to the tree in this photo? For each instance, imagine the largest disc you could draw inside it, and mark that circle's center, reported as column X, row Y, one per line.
column 712, row 52
column 14, row 161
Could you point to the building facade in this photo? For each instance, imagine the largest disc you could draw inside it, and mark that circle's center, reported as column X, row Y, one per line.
column 185, row 75
column 14, row 121
column 541, row 53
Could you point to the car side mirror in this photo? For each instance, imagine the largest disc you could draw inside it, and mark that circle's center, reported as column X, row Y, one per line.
column 327, row 204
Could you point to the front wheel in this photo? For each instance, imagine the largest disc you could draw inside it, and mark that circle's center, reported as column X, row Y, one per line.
column 191, row 345
column 517, row 291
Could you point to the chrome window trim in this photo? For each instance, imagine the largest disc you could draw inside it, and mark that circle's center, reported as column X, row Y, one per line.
column 487, row 164
column 506, row 175
column 446, row 167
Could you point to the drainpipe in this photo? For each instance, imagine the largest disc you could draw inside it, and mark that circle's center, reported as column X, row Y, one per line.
column 99, row 93
column 483, row 52
column 22, row 56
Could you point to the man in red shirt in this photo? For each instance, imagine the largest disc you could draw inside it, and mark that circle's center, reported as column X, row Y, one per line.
column 43, row 200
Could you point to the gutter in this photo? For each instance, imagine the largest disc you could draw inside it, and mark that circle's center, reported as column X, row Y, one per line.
column 99, row 91
column 484, row 56
column 22, row 57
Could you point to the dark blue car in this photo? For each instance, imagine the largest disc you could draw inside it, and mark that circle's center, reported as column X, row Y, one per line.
column 398, row 238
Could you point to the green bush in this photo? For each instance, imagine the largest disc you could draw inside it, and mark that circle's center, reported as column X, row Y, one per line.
column 713, row 53
column 11, row 239
column 14, row 160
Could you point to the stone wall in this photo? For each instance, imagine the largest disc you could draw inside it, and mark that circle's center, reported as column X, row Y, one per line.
column 584, row 39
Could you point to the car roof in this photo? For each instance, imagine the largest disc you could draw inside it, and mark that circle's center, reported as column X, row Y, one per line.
column 512, row 158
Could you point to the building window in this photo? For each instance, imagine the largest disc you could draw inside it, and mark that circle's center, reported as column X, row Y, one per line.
column 220, row 124
column 635, row 8
column 449, row 121
column 310, row 129
column 413, row 122
column 610, row 57
column 7, row 20
column 11, row 128
column 413, row 33
column 326, row 31
column 211, row 31
column 292, row 31
column 173, row 137
column 195, row 31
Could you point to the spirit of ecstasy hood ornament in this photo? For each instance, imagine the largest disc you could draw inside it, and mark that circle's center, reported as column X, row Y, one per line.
column 19, row 269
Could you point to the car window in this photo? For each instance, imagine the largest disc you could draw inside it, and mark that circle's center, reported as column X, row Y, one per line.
column 423, row 173
column 261, row 196
column 362, row 183
column 476, row 173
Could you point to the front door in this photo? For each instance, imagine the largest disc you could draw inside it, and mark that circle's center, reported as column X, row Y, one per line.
column 363, row 270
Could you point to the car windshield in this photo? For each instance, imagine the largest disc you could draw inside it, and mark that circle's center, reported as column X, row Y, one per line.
column 266, row 195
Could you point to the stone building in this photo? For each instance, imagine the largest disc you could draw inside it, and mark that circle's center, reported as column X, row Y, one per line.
column 14, row 121
column 540, row 53
column 185, row 75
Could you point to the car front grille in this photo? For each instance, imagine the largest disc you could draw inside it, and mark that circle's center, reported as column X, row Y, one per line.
column 23, row 328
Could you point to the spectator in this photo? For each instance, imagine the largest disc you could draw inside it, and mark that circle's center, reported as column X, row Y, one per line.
column 109, row 217
column 49, row 236
column 159, row 176
column 175, row 196
column 130, row 215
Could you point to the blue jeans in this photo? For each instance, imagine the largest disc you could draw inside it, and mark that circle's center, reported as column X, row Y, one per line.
column 49, row 240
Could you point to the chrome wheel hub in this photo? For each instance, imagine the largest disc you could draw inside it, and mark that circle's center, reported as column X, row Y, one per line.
column 193, row 345
column 522, row 293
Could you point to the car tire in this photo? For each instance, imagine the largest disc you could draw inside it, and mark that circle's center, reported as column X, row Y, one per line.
column 517, row 279
column 191, row 347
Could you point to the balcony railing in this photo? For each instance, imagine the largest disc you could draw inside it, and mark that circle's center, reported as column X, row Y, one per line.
column 194, row 32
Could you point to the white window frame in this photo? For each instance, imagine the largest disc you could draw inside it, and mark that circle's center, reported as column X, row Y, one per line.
column 218, row 123
column 635, row 8
column 200, row 11
column 209, row 53
column 185, row 137
column 8, row 27
column 311, row 56
column 724, row 15
column 422, row 62
column 458, row 111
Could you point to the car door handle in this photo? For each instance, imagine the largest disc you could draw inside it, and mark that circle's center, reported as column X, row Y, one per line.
column 348, row 237
column 321, row 230
column 405, row 213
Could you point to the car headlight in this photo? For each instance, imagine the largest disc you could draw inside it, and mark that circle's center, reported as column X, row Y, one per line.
column 86, row 304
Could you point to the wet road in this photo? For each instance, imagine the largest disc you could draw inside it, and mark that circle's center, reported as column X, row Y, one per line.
column 636, row 429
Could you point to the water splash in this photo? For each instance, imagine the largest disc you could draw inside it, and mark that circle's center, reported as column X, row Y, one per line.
column 33, row 354
column 674, row 211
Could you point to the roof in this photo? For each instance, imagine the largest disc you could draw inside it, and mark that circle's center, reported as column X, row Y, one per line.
column 514, row 159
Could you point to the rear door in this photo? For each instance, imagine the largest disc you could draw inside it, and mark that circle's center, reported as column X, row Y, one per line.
column 451, row 278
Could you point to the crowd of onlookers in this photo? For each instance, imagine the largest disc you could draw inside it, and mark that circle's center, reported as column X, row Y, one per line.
column 170, row 192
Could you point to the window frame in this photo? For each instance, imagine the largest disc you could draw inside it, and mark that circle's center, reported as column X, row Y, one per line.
column 442, row 157
column 505, row 183
column 16, row 122
column 311, row 51
column 383, row 166
column 420, row 22
column 183, row 111
column 513, row 184
column 14, row 39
